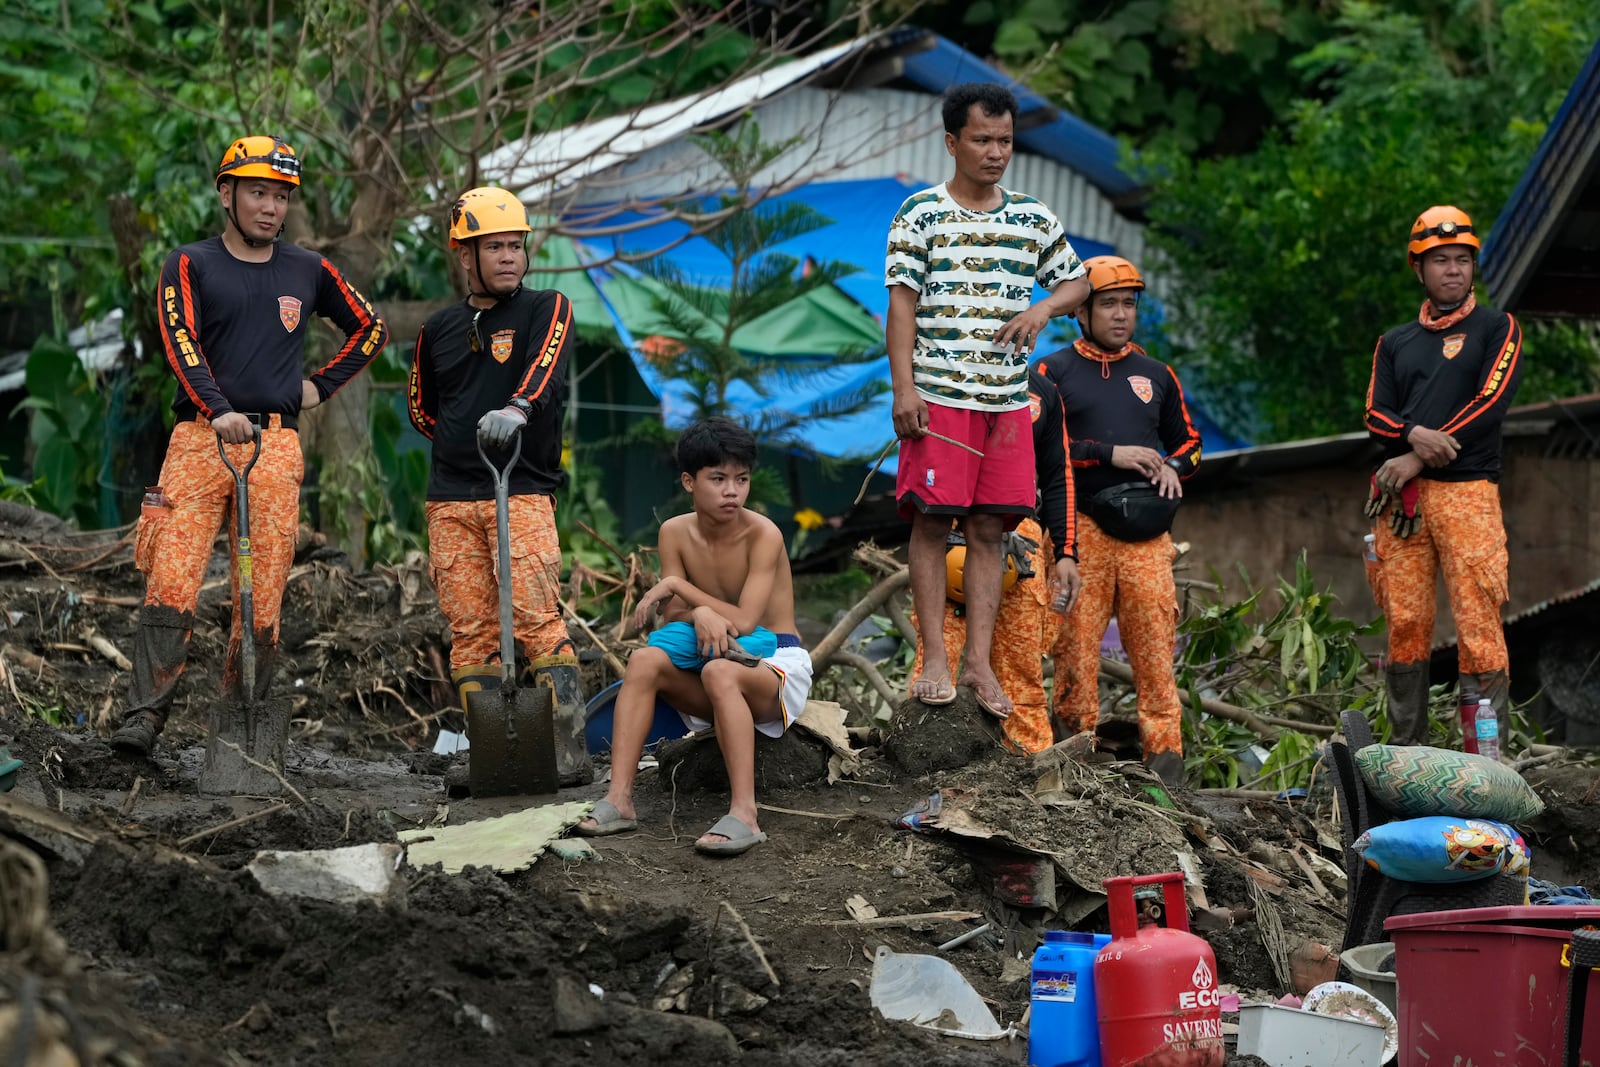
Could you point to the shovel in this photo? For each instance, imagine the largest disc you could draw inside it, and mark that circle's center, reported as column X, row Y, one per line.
column 259, row 730
column 513, row 731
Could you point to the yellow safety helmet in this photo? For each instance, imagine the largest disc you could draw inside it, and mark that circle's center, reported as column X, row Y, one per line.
column 955, row 561
column 260, row 156
column 486, row 210
column 1438, row 226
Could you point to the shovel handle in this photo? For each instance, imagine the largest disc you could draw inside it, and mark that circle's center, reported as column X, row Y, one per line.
column 222, row 450
column 502, row 527
column 246, row 565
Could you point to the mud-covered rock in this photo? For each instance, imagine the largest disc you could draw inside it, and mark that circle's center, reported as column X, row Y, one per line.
column 923, row 739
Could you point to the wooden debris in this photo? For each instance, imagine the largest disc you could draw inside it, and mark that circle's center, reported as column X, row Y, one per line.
column 910, row 920
column 111, row 652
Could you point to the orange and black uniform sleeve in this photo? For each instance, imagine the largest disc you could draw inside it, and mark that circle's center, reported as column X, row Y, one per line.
column 1460, row 379
column 549, row 358
column 364, row 332
column 179, row 296
column 1179, row 439
column 421, row 404
column 1058, row 511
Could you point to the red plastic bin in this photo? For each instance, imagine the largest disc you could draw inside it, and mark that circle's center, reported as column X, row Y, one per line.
column 1487, row 985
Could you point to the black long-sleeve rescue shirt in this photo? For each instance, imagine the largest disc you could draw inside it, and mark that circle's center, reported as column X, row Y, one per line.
column 1058, row 512
column 1133, row 399
column 235, row 331
column 1460, row 379
column 524, row 356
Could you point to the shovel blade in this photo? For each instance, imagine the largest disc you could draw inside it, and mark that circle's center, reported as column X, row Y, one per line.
column 237, row 730
column 513, row 739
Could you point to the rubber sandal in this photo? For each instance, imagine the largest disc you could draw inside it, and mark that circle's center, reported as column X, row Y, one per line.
column 607, row 821
column 984, row 692
column 741, row 838
column 944, row 693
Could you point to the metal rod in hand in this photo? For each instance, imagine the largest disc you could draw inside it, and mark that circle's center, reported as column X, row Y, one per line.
column 247, row 596
column 885, row 455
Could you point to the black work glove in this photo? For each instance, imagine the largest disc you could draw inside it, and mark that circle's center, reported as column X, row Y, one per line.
column 497, row 428
column 1021, row 550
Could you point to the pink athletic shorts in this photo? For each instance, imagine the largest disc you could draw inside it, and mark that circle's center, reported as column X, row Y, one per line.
column 937, row 478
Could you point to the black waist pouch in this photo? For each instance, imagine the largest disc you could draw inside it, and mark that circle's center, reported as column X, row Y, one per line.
column 1133, row 511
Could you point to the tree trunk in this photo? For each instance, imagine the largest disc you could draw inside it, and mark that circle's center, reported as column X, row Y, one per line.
column 337, row 434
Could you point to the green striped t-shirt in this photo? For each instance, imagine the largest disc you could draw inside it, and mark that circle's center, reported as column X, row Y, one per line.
column 973, row 272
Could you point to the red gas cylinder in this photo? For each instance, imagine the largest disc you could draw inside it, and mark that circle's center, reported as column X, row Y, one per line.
column 1156, row 987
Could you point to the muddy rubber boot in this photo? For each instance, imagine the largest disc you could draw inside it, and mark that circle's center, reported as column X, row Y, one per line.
column 1496, row 685
column 1168, row 766
column 468, row 680
column 572, row 752
column 1408, row 703
column 159, row 649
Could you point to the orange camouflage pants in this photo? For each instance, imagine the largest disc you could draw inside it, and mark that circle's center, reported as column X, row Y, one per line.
column 1461, row 535
column 465, row 559
column 1132, row 581
column 1023, row 630
column 174, row 544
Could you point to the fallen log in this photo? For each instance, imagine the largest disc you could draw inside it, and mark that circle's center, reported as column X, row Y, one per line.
column 1267, row 726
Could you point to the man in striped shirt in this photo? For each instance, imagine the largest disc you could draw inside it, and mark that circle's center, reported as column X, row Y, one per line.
column 1440, row 388
column 962, row 262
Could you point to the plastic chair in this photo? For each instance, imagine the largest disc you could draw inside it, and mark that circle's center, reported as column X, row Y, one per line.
column 1585, row 954
column 1371, row 896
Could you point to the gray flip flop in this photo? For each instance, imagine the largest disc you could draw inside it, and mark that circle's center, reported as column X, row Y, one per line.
column 608, row 820
column 740, row 838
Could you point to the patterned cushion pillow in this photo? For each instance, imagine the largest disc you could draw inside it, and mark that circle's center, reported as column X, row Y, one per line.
column 1411, row 780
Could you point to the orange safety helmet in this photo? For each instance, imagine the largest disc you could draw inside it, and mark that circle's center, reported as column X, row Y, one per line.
column 486, row 210
column 1112, row 272
column 1443, row 225
column 260, row 156
column 955, row 561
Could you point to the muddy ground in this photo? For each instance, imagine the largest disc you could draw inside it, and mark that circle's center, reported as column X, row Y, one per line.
column 641, row 956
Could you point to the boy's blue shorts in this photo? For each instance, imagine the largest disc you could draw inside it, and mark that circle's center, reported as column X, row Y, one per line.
column 677, row 640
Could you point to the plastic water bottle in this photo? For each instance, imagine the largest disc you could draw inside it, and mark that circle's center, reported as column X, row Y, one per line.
column 1488, row 730
column 1064, row 1027
column 1468, row 708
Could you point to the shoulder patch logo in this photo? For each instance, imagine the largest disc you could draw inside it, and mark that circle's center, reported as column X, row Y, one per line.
column 289, row 312
column 500, row 344
column 1453, row 343
column 1035, row 405
column 1141, row 387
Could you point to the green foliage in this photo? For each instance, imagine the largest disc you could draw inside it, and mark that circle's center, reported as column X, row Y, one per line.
column 585, row 521
column 1302, row 660
column 64, row 430
column 394, row 499
column 1289, row 261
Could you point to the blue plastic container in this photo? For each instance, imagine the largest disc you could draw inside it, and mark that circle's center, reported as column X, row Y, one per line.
column 600, row 713
column 1064, row 1029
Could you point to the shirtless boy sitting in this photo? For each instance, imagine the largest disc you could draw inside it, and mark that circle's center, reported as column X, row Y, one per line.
column 725, row 573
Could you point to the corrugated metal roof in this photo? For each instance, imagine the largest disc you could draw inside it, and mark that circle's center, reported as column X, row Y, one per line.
column 1543, row 254
column 543, row 165
column 842, row 132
